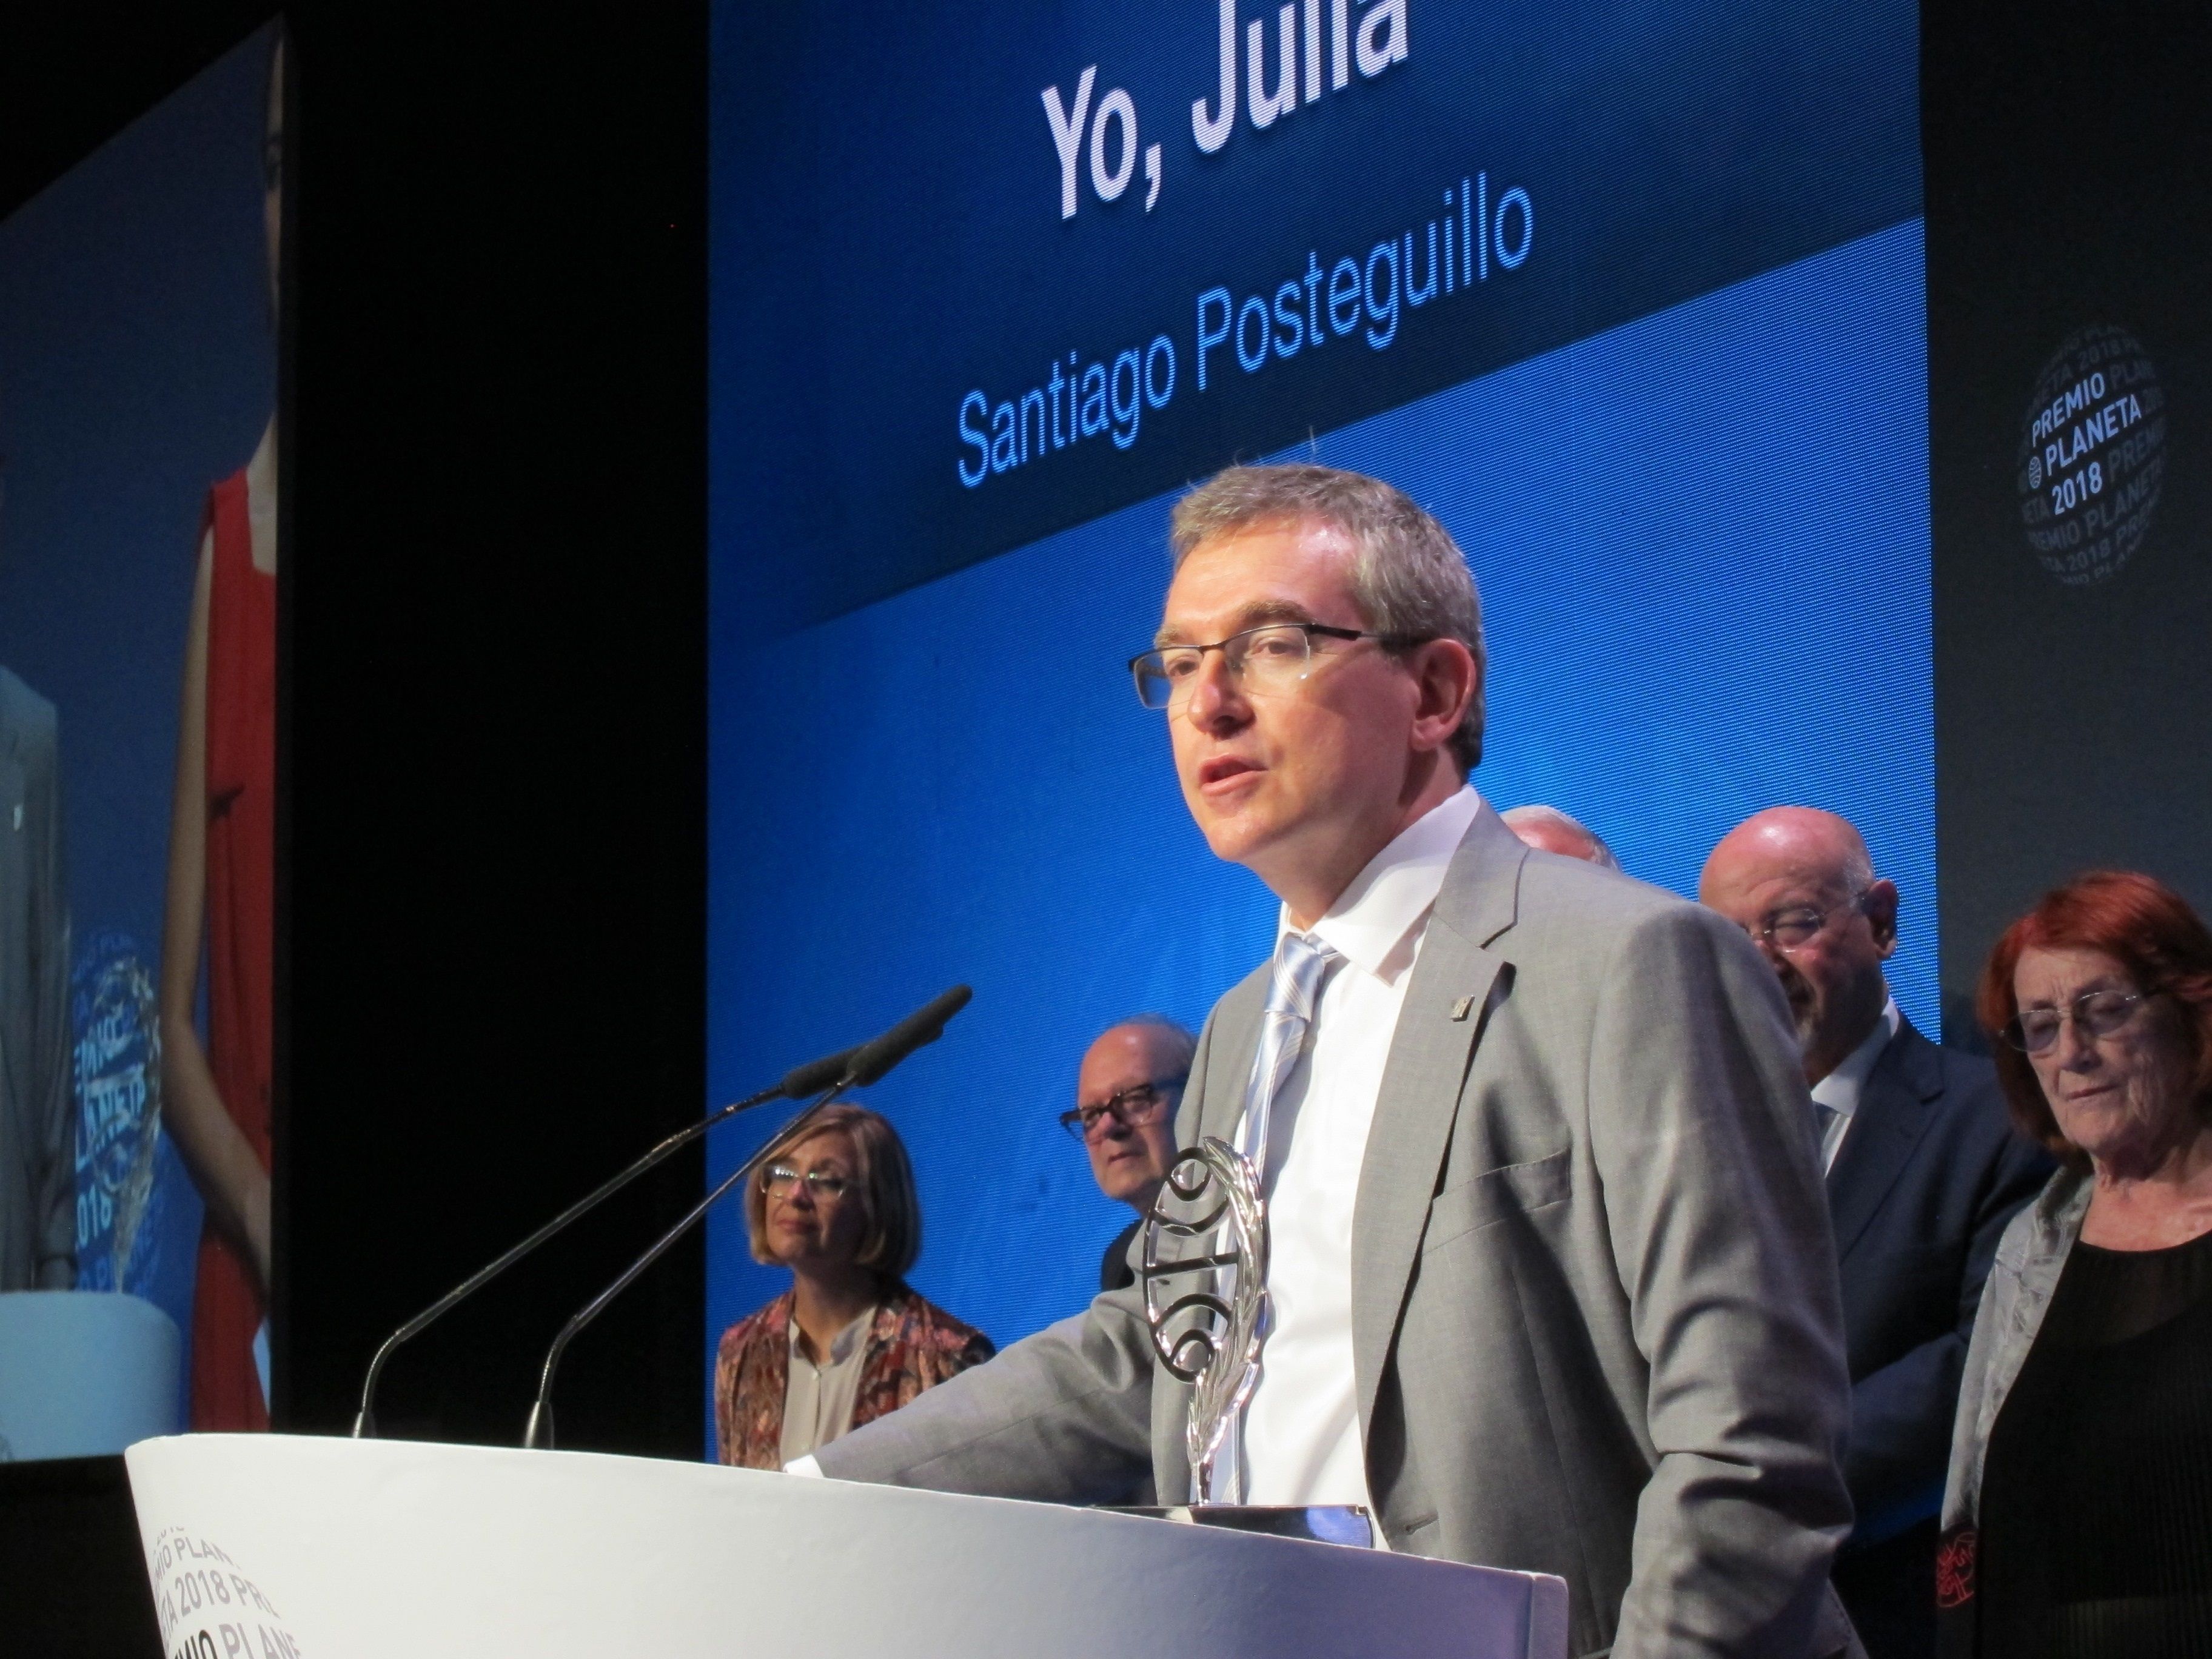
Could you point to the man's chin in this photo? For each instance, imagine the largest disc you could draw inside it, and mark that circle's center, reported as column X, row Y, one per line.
column 1234, row 836
column 1128, row 1184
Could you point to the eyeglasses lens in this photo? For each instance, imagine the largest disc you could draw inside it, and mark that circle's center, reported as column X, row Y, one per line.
column 2100, row 1014
column 1139, row 1105
column 779, row 1178
column 1794, row 929
column 1265, row 659
column 1274, row 657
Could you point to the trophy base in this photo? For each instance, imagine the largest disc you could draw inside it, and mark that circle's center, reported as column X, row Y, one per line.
column 1320, row 1523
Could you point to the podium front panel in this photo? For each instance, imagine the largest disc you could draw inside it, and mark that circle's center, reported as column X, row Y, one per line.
column 288, row 1545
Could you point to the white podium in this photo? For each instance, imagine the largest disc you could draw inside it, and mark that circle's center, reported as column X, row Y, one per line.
column 328, row 1549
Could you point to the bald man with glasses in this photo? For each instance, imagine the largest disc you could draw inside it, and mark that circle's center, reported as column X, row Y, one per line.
column 1126, row 1095
column 1922, row 1173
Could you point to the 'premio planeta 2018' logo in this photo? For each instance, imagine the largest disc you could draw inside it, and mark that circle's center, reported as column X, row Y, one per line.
column 208, row 1608
column 2092, row 454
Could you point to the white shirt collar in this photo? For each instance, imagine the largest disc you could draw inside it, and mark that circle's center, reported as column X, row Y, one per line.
column 1840, row 1090
column 842, row 1344
column 1372, row 924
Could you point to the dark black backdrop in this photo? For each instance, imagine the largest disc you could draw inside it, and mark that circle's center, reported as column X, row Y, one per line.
column 2068, row 149
column 495, row 732
column 496, row 741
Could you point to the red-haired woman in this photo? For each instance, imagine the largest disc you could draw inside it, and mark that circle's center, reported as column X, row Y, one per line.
column 2078, row 1516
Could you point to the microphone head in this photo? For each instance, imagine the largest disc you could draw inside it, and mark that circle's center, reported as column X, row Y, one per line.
column 816, row 1075
column 873, row 1061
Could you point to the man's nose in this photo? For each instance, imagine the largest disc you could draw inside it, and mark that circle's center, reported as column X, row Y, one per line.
column 1215, row 699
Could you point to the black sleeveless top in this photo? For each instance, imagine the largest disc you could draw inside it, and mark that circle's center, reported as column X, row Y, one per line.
column 2096, row 1506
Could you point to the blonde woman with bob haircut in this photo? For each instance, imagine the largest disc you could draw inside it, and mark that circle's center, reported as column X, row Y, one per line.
column 849, row 1342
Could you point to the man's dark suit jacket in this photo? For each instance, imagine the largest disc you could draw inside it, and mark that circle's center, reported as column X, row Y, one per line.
column 1115, row 1272
column 1930, row 1172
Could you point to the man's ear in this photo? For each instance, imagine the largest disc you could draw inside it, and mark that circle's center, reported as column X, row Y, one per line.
column 1446, row 678
column 1880, row 906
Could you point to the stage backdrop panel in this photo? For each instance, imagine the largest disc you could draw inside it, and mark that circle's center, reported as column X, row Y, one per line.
column 138, row 366
column 2070, row 368
column 1671, row 401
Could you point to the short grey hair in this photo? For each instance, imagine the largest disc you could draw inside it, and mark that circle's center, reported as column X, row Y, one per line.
column 1178, row 1048
column 1408, row 576
column 1536, row 812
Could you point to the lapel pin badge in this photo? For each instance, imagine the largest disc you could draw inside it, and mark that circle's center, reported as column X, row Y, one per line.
column 1461, row 1008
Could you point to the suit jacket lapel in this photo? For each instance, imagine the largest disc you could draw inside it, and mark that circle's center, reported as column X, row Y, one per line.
column 1229, row 1047
column 1446, row 1007
column 1894, row 1111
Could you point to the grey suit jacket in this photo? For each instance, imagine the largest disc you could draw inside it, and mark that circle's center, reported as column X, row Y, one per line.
column 1596, row 1319
column 38, row 1151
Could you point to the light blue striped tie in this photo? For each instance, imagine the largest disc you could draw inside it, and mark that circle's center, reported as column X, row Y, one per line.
column 1293, row 990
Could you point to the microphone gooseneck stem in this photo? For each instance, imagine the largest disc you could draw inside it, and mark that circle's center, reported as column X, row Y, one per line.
column 364, row 1422
column 539, row 1431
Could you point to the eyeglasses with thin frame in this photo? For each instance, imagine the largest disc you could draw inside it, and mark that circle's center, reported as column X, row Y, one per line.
column 2099, row 1013
column 1266, row 660
column 1140, row 1104
column 1794, row 928
column 780, row 1178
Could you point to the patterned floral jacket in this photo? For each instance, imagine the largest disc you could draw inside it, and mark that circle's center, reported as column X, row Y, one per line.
column 912, row 1346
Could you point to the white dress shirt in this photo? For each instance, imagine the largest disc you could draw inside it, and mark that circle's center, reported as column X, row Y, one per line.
column 1301, row 1443
column 1840, row 1090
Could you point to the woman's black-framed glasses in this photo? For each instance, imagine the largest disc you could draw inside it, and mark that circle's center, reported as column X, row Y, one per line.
column 1141, row 1103
column 1269, row 659
column 2100, row 1014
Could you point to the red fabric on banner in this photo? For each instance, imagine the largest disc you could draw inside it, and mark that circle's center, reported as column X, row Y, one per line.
column 241, row 876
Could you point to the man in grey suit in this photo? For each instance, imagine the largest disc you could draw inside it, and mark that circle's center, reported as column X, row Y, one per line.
column 38, row 1172
column 1550, row 1283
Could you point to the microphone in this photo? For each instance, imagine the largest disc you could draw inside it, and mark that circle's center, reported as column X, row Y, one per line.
column 797, row 1085
column 873, row 1061
column 817, row 1074
column 869, row 1063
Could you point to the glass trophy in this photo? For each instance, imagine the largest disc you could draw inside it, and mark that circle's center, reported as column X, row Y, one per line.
column 1205, row 1275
